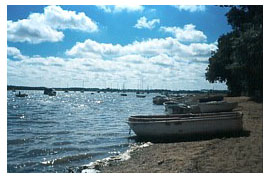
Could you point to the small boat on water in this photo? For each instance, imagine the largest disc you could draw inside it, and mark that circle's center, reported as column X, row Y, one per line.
column 53, row 93
column 83, row 89
column 140, row 95
column 181, row 125
column 50, row 92
column 123, row 91
column 217, row 106
column 21, row 94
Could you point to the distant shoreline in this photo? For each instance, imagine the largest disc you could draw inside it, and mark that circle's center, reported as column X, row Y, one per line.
column 12, row 87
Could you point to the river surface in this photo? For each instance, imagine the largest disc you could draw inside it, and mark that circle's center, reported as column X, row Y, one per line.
column 55, row 133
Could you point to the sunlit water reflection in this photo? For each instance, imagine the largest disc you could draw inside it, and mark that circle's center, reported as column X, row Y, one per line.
column 53, row 133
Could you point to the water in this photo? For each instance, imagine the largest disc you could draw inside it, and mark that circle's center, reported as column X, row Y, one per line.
column 54, row 133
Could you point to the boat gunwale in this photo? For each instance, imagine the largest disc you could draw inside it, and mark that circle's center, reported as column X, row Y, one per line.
column 170, row 116
column 236, row 117
column 218, row 103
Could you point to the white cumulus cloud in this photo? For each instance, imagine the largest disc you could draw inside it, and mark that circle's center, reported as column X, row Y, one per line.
column 148, row 48
column 186, row 34
column 191, row 8
column 143, row 23
column 120, row 8
column 32, row 32
column 45, row 27
column 58, row 18
column 15, row 53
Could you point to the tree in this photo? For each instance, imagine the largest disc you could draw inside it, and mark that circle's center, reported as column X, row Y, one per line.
column 238, row 61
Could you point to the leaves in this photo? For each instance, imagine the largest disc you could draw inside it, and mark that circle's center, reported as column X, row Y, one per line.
column 239, row 58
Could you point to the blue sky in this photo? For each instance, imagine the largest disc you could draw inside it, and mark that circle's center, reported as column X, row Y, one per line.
column 164, row 46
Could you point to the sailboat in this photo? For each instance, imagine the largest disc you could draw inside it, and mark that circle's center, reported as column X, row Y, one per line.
column 141, row 94
column 66, row 90
column 123, row 94
column 21, row 95
column 82, row 91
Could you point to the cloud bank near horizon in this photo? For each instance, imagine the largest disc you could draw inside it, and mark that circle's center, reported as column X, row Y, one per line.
column 177, row 61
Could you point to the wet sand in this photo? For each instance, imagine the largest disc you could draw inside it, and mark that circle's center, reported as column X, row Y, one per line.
column 228, row 153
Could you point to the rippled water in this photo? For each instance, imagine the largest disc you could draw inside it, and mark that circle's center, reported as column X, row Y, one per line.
column 52, row 134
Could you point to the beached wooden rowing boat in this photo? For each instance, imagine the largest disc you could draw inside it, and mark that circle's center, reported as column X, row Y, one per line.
column 211, row 98
column 216, row 106
column 179, row 125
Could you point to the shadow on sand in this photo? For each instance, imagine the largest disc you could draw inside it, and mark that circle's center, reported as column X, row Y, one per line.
column 201, row 137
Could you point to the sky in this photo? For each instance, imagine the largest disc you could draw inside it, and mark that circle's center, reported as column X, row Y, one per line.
column 155, row 47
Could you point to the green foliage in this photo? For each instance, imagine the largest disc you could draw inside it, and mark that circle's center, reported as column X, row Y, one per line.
column 238, row 60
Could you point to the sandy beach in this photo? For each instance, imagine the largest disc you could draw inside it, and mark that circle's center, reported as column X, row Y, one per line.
column 229, row 153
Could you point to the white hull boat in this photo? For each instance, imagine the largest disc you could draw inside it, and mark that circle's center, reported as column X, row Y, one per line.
column 140, row 95
column 181, row 125
column 176, row 108
column 214, row 106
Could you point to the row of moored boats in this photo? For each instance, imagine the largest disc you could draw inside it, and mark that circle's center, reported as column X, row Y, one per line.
column 47, row 91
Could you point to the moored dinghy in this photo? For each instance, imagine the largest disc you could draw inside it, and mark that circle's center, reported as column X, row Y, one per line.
column 140, row 95
column 50, row 91
column 21, row 94
column 162, row 126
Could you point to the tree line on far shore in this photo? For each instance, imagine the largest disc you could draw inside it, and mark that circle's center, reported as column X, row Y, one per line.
column 238, row 61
